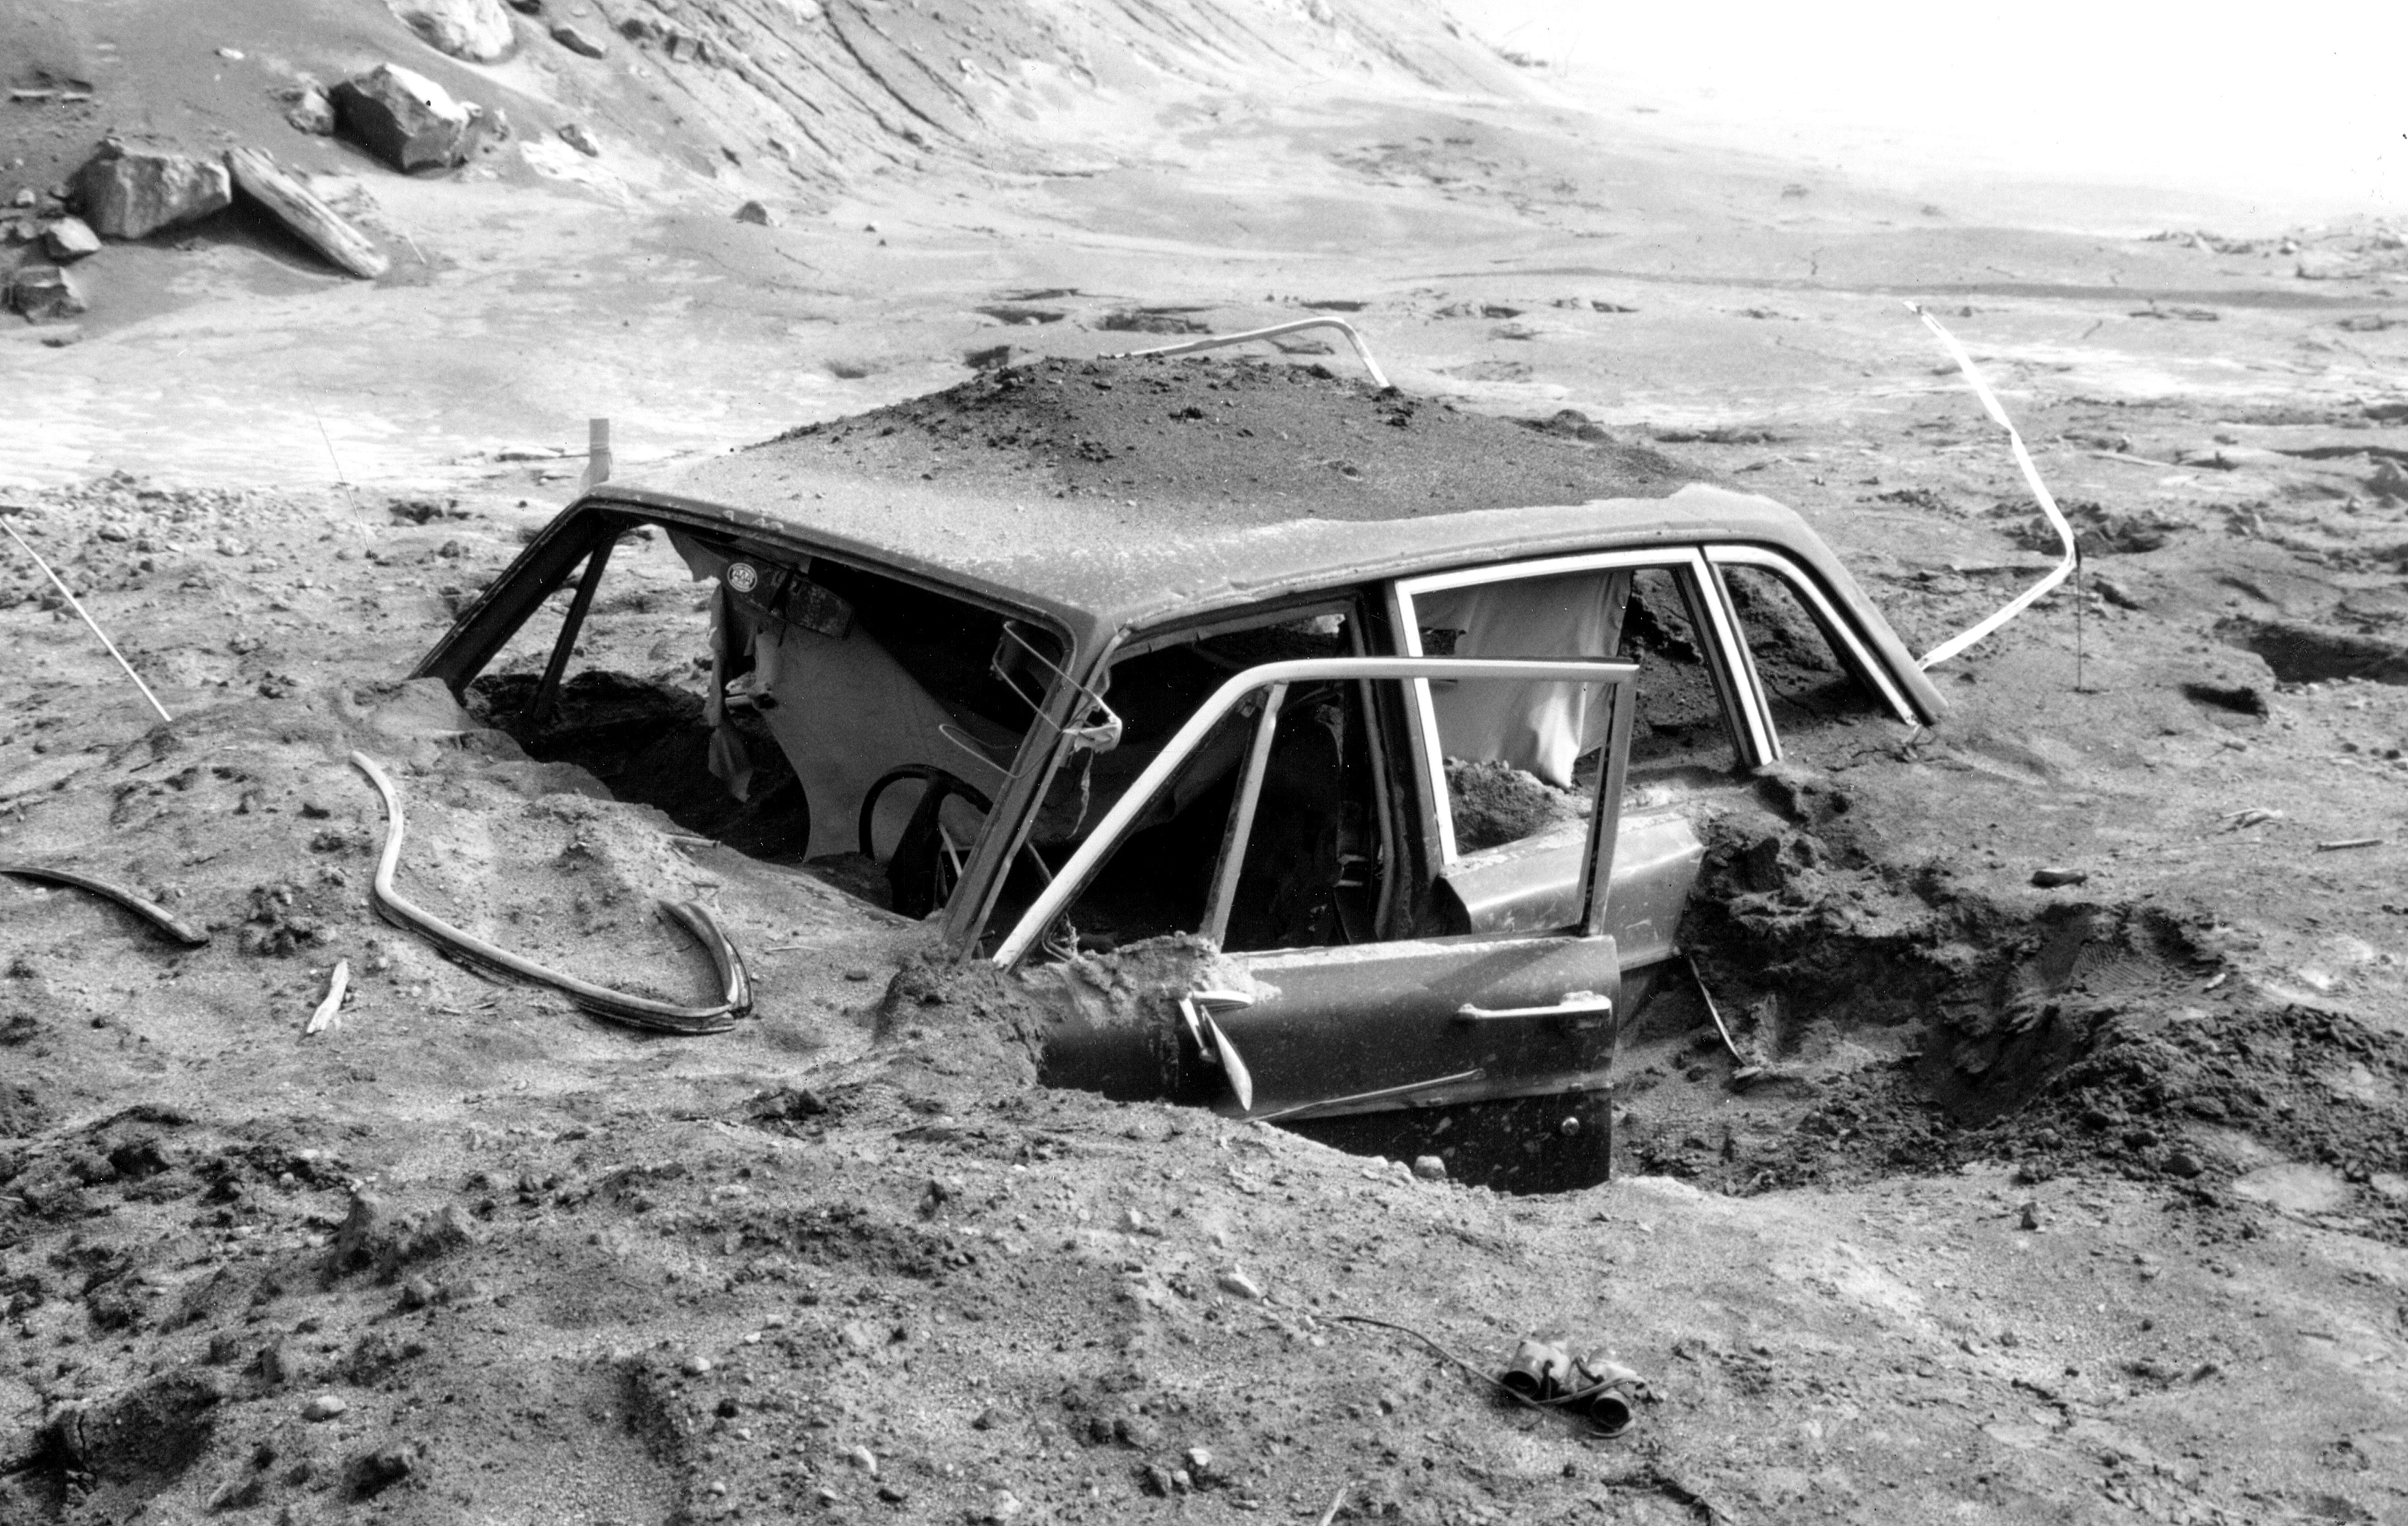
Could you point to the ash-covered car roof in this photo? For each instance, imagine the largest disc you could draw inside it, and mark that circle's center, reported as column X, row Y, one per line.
column 1108, row 493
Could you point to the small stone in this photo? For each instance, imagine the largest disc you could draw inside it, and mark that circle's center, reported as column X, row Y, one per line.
column 2050, row 878
column 43, row 293
column 760, row 214
column 1001, row 1506
column 856, row 973
column 1181, row 1481
column 727, row 1409
column 390, row 1464
column 2029, row 1215
column 325, row 1407
column 696, row 1365
column 577, row 135
column 827, row 1496
column 864, row 1459
column 718, row 1486
column 987, row 1419
column 1132, row 1220
column 68, row 239
column 1238, row 1285
column 417, row 1293
column 1200, row 1461
column 2182, row 1163
column 1429, row 1168
column 1157, row 1479
column 578, row 42
column 892, row 1494
column 313, row 113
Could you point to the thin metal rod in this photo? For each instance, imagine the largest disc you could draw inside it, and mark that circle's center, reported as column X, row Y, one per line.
column 1217, row 341
column 1472, row 1074
column 76, row 605
column 1242, row 819
column 539, row 710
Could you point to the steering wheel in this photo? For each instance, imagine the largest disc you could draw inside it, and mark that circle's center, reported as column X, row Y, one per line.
column 920, row 875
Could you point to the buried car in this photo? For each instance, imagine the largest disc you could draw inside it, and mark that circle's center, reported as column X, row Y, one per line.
column 1306, row 752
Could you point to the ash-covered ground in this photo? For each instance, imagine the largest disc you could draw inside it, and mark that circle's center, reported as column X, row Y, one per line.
column 2078, row 1200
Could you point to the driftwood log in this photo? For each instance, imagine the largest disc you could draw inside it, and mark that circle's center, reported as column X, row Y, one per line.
column 318, row 225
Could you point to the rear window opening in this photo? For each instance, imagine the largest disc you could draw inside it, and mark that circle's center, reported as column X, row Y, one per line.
column 797, row 709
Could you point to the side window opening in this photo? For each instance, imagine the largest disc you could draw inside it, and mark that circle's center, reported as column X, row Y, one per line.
column 802, row 711
column 1262, row 838
column 1816, row 695
column 1521, row 760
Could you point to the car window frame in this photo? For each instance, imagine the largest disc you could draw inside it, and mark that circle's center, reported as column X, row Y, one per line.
column 1620, row 678
column 1849, row 642
column 1744, row 709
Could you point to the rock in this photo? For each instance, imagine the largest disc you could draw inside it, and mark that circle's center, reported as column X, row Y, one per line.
column 1157, row 1479
column 476, row 29
column 312, row 113
column 894, row 1494
column 2182, row 1163
column 1239, row 1285
column 417, row 1293
column 527, row 8
column 132, row 190
column 696, row 1365
column 864, row 1459
column 2029, row 1215
column 325, row 1407
column 405, row 119
column 313, row 222
column 760, row 215
column 578, row 42
column 70, row 238
column 373, row 1237
column 1200, row 1461
column 2049, row 879
column 43, row 293
column 575, row 134
column 387, row 1465
column 1429, row 1168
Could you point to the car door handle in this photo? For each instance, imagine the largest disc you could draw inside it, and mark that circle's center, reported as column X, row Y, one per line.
column 1576, row 1005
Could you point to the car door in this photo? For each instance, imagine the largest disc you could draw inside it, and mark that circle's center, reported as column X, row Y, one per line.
column 1349, row 1026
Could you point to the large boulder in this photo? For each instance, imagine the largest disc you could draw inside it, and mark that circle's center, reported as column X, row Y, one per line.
column 476, row 29
column 43, row 293
column 405, row 119
column 131, row 189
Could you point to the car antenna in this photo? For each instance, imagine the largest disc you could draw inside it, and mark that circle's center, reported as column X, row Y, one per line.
column 1217, row 341
column 2056, row 575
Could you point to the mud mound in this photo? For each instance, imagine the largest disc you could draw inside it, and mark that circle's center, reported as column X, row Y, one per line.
column 1222, row 438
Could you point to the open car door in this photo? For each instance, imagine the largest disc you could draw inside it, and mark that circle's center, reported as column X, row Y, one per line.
column 1349, row 1029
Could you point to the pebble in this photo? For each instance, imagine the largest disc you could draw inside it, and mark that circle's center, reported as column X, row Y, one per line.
column 718, row 1486
column 864, row 1459
column 1429, row 1168
column 696, row 1365
column 856, row 973
column 2050, row 878
column 2029, row 1216
column 325, row 1407
column 1200, row 1461
column 1239, row 1285
column 2182, row 1163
